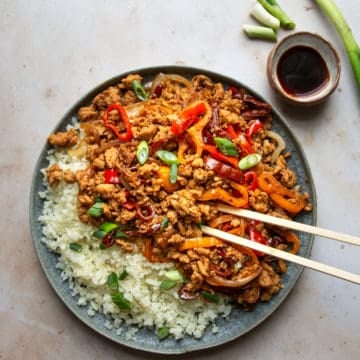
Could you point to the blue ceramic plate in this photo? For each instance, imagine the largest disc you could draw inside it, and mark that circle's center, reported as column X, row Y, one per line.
column 239, row 322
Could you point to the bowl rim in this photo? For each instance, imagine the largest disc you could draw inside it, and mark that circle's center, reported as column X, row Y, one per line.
column 312, row 98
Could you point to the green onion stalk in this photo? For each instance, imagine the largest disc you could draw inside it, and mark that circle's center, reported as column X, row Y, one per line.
column 343, row 29
column 274, row 9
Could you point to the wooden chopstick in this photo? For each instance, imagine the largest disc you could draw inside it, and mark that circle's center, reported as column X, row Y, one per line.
column 290, row 224
column 330, row 270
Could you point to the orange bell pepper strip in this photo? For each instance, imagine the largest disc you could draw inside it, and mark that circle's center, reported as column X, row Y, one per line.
column 226, row 197
column 189, row 116
column 293, row 239
column 163, row 174
column 292, row 205
column 200, row 242
column 183, row 146
column 280, row 195
column 195, row 131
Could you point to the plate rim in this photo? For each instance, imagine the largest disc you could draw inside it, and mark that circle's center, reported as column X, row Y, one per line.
column 146, row 71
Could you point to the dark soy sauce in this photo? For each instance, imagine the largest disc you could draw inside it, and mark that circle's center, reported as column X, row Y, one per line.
column 301, row 70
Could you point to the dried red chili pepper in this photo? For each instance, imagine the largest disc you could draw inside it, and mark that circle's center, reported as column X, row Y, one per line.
column 223, row 170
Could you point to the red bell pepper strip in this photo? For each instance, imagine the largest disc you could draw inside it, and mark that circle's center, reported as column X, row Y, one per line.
column 231, row 131
column 245, row 146
column 111, row 176
column 252, row 129
column 127, row 135
column 256, row 236
column 250, row 180
column 188, row 117
column 216, row 154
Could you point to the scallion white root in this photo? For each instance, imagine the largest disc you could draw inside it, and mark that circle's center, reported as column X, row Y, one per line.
column 264, row 17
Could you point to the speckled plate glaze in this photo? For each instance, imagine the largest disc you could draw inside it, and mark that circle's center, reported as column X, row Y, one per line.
column 239, row 322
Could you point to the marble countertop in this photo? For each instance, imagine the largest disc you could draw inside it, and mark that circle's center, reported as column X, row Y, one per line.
column 53, row 52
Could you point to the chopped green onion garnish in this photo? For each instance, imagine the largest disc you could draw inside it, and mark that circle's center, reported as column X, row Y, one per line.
column 164, row 222
column 167, row 284
column 142, row 152
column 249, row 161
column 139, row 90
column 119, row 299
column 226, row 146
column 113, row 282
column 123, row 275
column 174, row 275
column 167, row 157
column 163, row 332
column 99, row 234
column 274, row 9
column 75, row 247
column 210, row 297
column 107, row 227
column 264, row 17
column 259, row 32
column 173, row 173
column 120, row 235
column 96, row 210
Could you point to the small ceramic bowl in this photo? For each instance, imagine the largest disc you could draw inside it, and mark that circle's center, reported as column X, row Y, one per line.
column 303, row 68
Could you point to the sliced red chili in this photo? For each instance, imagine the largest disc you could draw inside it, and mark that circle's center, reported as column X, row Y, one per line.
column 223, row 170
column 111, row 176
column 128, row 205
column 256, row 236
column 157, row 92
column 187, row 118
column 252, row 129
column 245, row 146
column 127, row 135
column 145, row 212
column 250, row 180
column 231, row 131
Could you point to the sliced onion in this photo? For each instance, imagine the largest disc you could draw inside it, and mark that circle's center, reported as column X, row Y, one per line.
column 280, row 145
column 173, row 77
column 79, row 151
column 216, row 280
column 134, row 109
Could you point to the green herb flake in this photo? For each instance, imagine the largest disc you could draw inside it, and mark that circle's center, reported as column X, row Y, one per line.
column 96, row 210
column 163, row 332
column 120, row 301
column 142, row 152
column 210, row 297
column 113, row 282
column 75, row 247
column 123, row 275
column 164, row 222
column 167, row 157
column 173, row 173
column 249, row 161
column 139, row 90
column 226, row 146
column 107, row 226
column 174, row 275
column 167, row 284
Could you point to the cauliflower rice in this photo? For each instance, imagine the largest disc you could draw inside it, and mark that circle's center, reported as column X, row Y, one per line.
column 87, row 271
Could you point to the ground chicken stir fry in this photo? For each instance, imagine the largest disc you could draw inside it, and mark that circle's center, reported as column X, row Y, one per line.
column 161, row 157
